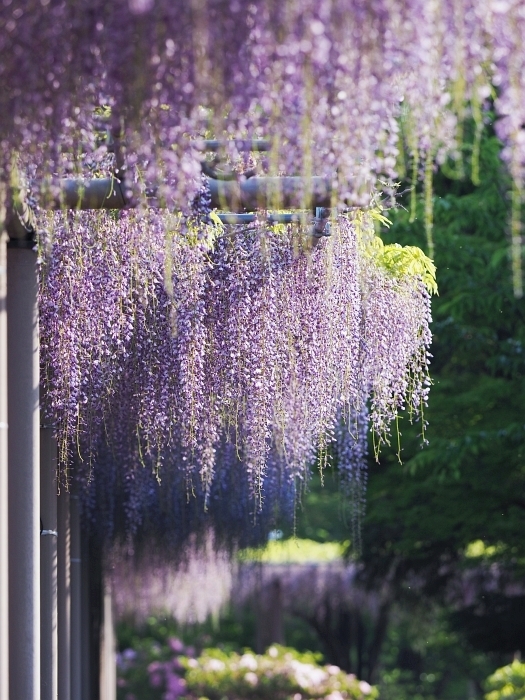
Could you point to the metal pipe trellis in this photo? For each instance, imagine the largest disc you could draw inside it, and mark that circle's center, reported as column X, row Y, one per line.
column 247, row 195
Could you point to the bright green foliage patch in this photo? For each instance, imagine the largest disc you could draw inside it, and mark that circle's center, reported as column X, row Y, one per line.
column 399, row 261
column 295, row 551
column 405, row 261
column 507, row 683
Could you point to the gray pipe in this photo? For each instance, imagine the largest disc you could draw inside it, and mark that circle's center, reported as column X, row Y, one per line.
column 254, row 145
column 270, row 193
column 100, row 193
column 48, row 564
column 235, row 196
column 64, row 597
column 89, row 623
column 108, row 660
column 76, row 600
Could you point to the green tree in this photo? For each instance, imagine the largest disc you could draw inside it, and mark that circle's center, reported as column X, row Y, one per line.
column 467, row 485
column 468, row 482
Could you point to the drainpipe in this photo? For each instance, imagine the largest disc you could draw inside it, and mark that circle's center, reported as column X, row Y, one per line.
column 64, row 596
column 48, row 565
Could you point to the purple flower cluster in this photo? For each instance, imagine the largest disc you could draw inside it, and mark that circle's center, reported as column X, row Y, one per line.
column 305, row 588
column 396, row 328
column 176, row 367
column 165, row 674
column 345, row 84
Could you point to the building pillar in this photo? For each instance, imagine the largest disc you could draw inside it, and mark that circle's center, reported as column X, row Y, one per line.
column 90, row 622
column 23, row 474
column 4, row 546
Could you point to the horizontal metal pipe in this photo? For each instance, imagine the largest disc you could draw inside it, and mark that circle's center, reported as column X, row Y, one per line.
column 235, row 196
column 208, row 145
column 99, row 193
column 254, row 145
column 231, row 218
column 270, row 193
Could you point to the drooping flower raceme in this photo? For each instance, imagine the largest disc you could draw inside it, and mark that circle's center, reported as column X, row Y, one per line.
column 346, row 89
column 181, row 358
column 342, row 83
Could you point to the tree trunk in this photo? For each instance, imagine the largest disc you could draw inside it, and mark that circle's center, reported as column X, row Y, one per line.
column 270, row 626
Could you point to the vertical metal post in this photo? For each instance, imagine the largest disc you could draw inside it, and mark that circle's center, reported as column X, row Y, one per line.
column 76, row 600
column 48, row 565
column 4, row 547
column 64, row 597
column 24, row 475
column 108, row 661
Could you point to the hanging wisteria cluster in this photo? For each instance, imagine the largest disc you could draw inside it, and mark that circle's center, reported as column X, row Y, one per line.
column 351, row 449
column 352, row 90
column 185, row 359
column 327, row 78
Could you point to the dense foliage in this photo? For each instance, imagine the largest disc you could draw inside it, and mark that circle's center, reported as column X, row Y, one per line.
column 447, row 525
column 507, row 682
column 466, row 485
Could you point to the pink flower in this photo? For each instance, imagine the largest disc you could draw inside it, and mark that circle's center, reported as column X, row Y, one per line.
column 176, row 645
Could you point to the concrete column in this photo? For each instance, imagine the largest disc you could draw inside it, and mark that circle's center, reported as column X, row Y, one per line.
column 24, row 475
column 64, row 597
column 48, row 565
column 108, row 659
column 4, row 547
column 76, row 600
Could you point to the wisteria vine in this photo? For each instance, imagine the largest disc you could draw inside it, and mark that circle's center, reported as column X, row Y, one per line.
column 349, row 89
column 334, row 73
column 181, row 358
